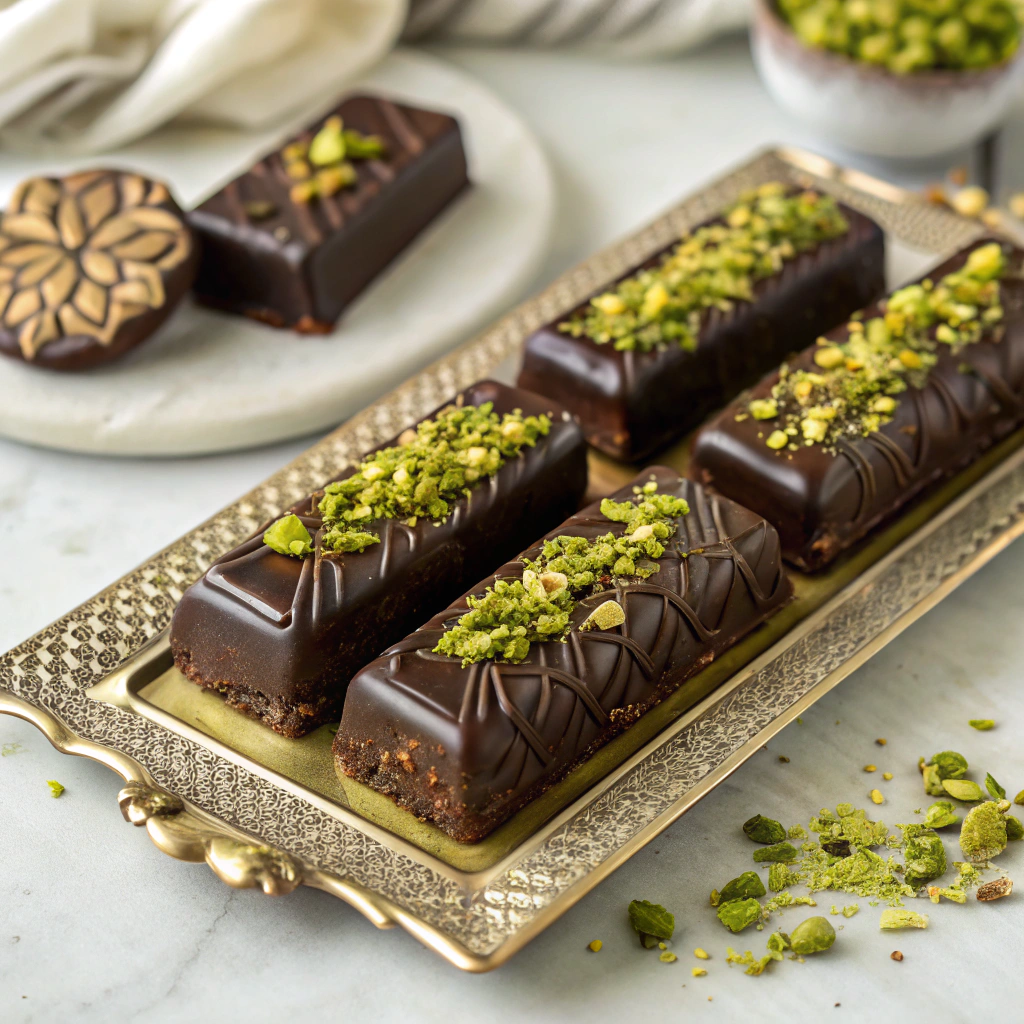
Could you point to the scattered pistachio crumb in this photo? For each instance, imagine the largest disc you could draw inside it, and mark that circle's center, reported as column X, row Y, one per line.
column 887, row 776
column 668, row 957
column 700, row 954
column 783, row 759
column 893, row 919
column 698, row 972
column 595, row 946
column 981, row 724
column 881, row 741
column 56, row 789
column 870, row 768
column 876, row 796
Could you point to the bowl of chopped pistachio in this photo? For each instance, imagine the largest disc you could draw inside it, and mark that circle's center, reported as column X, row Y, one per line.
column 894, row 78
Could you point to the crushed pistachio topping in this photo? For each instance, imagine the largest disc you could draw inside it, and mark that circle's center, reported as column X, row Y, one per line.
column 503, row 622
column 907, row 36
column 323, row 166
column 856, row 387
column 56, row 789
column 440, row 461
column 288, row 536
column 712, row 268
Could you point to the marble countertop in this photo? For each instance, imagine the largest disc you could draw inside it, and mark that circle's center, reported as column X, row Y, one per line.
column 97, row 925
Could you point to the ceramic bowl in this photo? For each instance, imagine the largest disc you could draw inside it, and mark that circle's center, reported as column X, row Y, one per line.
column 869, row 109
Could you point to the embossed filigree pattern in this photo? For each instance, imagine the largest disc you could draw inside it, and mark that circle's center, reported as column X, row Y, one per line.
column 55, row 667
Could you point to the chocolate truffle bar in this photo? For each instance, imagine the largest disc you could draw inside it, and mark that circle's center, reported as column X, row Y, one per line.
column 840, row 439
column 465, row 743
column 280, row 634
column 668, row 343
column 296, row 238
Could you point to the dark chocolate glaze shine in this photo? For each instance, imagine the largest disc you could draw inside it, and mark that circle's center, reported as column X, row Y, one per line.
column 303, row 264
column 467, row 747
column 630, row 403
column 264, row 627
column 823, row 502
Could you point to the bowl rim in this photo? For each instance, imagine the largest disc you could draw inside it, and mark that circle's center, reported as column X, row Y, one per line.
column 768, row 19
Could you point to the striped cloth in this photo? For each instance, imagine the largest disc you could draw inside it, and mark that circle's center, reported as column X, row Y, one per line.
column 629, row 27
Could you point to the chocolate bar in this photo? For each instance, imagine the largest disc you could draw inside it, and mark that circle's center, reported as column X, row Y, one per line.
column 90, row 265
column 693, row 345
column 843, row 437
column 280, row 634
column 296, row 238
column 464, row 744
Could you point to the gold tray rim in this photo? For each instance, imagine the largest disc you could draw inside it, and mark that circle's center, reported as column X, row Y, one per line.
column 477, row 920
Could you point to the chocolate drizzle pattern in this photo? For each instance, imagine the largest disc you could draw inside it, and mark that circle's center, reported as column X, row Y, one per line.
column 299, row 264
column 510, row 731
column 281, row 636
column 821, row 502
column 630, row 402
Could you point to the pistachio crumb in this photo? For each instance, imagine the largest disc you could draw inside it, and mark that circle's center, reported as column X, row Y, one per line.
column 698, row 972
column 700, row 954
column 876, row 796
column 56, row 789
column 595, row 946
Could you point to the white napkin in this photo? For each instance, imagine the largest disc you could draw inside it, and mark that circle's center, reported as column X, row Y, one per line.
column 631, row 28
column 88, row 75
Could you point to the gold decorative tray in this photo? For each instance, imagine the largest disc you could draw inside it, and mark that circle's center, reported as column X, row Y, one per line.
column 262, row 811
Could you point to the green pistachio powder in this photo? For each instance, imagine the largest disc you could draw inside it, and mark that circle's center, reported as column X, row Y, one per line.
column 712, row 268
column 905, row 36
column 441, row 461
column 855, row 390
column 859, row 870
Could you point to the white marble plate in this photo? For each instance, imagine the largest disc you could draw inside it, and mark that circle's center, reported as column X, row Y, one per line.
column 211, row 382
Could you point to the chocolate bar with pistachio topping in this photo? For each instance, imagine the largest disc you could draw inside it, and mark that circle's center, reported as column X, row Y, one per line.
column 281, row 623
column 505, row 692
column 655, row 352
column 298, row 236
column 845, row 435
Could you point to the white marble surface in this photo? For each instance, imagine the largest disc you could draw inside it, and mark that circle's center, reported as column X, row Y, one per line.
column 96, row 925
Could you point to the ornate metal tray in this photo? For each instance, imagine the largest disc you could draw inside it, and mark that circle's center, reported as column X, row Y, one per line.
column 201, row 801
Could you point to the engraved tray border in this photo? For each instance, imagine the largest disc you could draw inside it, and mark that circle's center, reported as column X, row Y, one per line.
column 199, row 806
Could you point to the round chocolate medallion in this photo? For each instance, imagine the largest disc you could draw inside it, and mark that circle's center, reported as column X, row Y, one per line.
column 90, row 265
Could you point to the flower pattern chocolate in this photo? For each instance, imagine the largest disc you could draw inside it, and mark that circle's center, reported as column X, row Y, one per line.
column 90, row 265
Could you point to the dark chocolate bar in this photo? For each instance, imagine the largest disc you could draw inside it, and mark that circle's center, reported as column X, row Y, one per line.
column 298, row 262
column 821, row 498
column 465, row 748
column 281, row 636
column 632, row 402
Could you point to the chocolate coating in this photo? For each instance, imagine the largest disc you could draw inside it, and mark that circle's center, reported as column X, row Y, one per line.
column 630, row 403
column 90, row 266
column 467, row 747
column 299, row 264
column 820, row 502
column 281, row 636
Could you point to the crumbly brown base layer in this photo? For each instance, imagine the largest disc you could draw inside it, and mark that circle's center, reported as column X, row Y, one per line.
column 393, row 773
column 289, row 718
